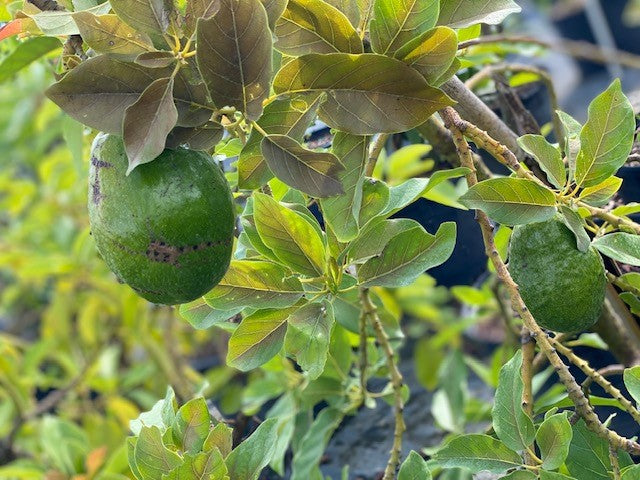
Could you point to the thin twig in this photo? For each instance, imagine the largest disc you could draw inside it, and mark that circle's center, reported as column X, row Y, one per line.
column 528, row 354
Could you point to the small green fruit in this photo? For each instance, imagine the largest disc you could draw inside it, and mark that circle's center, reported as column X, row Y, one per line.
column 563, row 287
column 166, row 229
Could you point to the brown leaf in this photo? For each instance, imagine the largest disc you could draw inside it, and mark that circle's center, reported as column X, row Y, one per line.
column 149, row 16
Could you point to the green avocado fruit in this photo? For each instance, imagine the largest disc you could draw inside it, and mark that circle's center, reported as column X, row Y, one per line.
column 563, row 287
column 167, row 228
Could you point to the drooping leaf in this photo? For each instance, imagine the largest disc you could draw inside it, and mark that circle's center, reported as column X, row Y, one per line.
column 148, row 121
column 234, row 55
column 289, row 116
column 476, row 453
column 249, row 458
column 573, row 220
column 512, row 201
column 607, row 137
column 289, row 235
column 623, row 247
column 366, row 94
column 314, row 173
column 571, row 144
column 396, row 22
column 202, row 316
column 258, row 338
column 341, row 212
column 25, row 53
column 191, row 425
column 432, row 53
column 407, row 256
column 152, row 458
column 313, row 26
column 285, row 410
column 98, row 91
column 601, row 193
column 414, row 468
column 109, row 34
column 512, row 425
column 632, row 382
column 463, row 13
column 149, row 16
column 553, row 438
column 199, row 466
column 307, row 337
column 255, row 284
column 61, row 22
column 547, row 156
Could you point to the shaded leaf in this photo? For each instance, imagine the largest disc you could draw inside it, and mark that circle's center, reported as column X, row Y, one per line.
column 313, row 26
column 349, row 8
column 375, row 236
column 152, row 458
column 255, row 284
column 512, row 425
column 258, row 338
column 191, row 425
column 366, row 94
column 407, row 256
column 573, row 220
column 197, row 9
column 432, row 53
column 61, row 22
column 463, row 13
column 396, row 22
column 553, row 438
column 221, row 438
column 202, row 316
column 572, row 129
column 274, row 9
column 148, row 122
column 25, row 53
column 375, row 198
column 588, row 455
column 149, row 16
column 476, row 453
column 607, row 137
column 290, row 116
column 234, row 55
column 249, row 458
column 547, row 156
column 623, row 247
column 109, row 34
column 195, row 138
column 289, row 235
column 512, row 201
column 314, row 173
column 307, row 337
column 341, row 212
column 632, row 382
column 414, row 468
column 601, row 193
column 159, row 59
column 520, row 475
column 200, row 466
column 544, row 475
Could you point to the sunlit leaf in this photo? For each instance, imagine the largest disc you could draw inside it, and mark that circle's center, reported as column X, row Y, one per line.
column 25, row 53
column 621, row 246
column 153, row 459
column 191, row 425
column 547, row 156
column 601, row 193
column 199, row 466
column 553, row 438
column 476, row 453
column 463, row 13
column 414, row 468
column 109, row 34
column 61, row 22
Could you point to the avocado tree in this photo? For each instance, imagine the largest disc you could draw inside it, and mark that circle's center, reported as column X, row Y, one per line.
column 301, row 289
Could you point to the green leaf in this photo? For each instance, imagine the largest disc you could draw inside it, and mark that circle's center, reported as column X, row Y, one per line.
column 220, row 438
column 258, row 338
column 149, row 16
column 375, row 236
column 98, row 91
column 289, row 235
column 201, row 316
column 285, row 410
column 234, row 55
column 623, row 247
column 463, row 13
column 375, row 197
column 476, row 453
column 253, row 454
column 200, row 466
column 161, row 415
column 607, row 137
column 289, row 116
column 632, row 382
column 553, row 438
column 274, row 9
column 109, row 34
column 60, row 22
column 255, row 284
column 366, row 94
column 601, row 193
column 432, row 53
column 308, row 334
column 314, row 173
column 191, row 425
column 544, row 475
column 341, row 212
column 395, row 22
column 407, row 256
column 572, row 129
column 148, row 121
column 588, row 455
column 547, row 156
column 512, row 201
column 152, row 458
column 520, row 475
column 197, row 9
column 349, row 7
column 632, row 473
column 574, row 221
column 312, row 445
column 159, row 59
column 195, row 138
column 312, row 26
column 25, row 53
column 512, row 425
column 414, row 468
